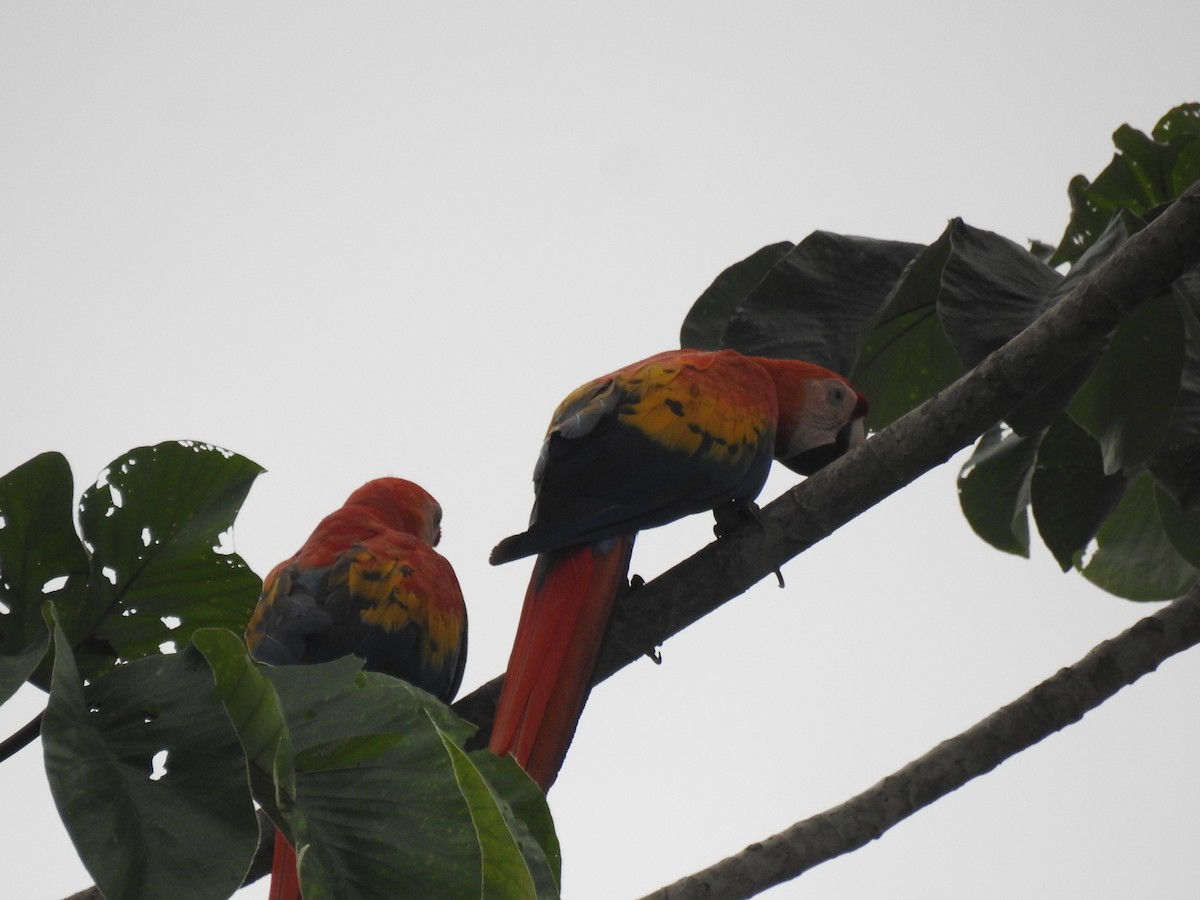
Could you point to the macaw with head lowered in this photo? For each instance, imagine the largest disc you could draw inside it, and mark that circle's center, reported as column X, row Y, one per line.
column 681, row 432
column 367, row 582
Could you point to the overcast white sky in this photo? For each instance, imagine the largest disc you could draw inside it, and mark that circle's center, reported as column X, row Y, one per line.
column 349, row 240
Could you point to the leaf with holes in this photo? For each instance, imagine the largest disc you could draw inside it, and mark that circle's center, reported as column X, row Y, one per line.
column 1146, row 172
column 41, row 558
column 149, row 778
column 157, row 521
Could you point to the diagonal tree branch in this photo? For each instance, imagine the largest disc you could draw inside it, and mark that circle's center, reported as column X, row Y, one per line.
column 929, row 435
column 919, row 441
column 1051, row 706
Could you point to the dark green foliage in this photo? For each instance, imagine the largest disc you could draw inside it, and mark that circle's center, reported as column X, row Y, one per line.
column 993, row 489
column 1133, row 556
column 1070, row 494
column 368, row 773
column 1146, row 172
column 40, row 557
column 843, row 279
column 160, row 732
column 1108, row 454
column 156, row 748
column 156, row 519
column 186, row 829
column 705, row 323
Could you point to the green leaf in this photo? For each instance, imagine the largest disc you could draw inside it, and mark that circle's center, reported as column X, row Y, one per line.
column 1133, row 557
column 907, row 357
column 1127, row 402
column 514, row 864
column 1182, row 528
column 816, row 301
column 526, row 813
column 1176, row 465
column 17, row 666
column 1070, row 493
column 40, row 558
column 157, row 519
column 704, row 326
column 993, row 489
column 1146, row 172
column 1042, row 409
column 1183, row 120
column 385, row 800
column 991, row 290
column 187, row 830
column 967, row 294
column 257, row 715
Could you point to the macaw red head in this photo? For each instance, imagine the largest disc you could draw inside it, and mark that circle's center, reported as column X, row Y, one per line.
column 821, row 415
column 401, row 505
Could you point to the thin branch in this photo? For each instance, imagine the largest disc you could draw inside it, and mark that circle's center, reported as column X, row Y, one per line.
column 1051, row 706
column 929, row 435
column 21, row 738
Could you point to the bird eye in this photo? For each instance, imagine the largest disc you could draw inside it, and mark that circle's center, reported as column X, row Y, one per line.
column 837, row 393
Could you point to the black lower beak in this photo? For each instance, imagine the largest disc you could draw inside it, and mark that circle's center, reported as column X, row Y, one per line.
column 850, row 436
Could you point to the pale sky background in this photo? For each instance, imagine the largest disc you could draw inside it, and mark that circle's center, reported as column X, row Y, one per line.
column 357, row 239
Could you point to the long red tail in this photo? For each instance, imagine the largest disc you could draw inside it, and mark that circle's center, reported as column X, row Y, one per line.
column 562, row 626
column 285, row 880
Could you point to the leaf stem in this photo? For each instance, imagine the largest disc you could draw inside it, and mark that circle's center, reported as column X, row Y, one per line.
column 21, row 738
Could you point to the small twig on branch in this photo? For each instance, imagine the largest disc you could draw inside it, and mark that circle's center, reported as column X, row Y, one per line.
column 1051, row 706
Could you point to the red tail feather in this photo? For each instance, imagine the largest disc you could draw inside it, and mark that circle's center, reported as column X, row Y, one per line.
column 285, row 881
column 562, row 626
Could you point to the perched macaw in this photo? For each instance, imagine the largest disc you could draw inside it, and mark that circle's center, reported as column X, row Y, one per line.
column 681, row 432
column 367, row 582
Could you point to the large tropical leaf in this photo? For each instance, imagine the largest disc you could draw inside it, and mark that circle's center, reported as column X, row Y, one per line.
column 386, row 801
column 817, row 299
column 1182, row 528
column 1133, row 556
column 253, row 706
column 1126, row 404
column 1176, row 465
column 1070, row 493
column 40, row 558
column 157, row 522
column 993, row 489
column 966, row 295
column 990, row 290
column 704, row 326
column 1039, row 411
column 907, row 357
column 148, row 777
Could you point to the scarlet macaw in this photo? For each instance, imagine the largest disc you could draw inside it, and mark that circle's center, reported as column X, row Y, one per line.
column 681, row 432
column 367, row 582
